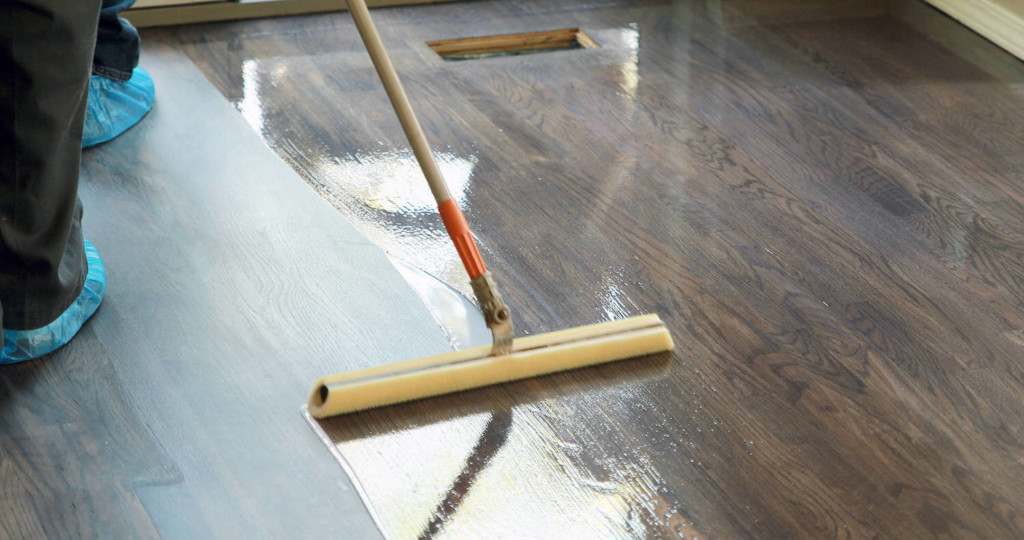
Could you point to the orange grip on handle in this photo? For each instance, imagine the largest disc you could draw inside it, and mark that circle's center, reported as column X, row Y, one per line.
column 458, row 229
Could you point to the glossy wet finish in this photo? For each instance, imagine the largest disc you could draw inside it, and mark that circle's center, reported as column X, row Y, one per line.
column 460, row 319
column 824, row 205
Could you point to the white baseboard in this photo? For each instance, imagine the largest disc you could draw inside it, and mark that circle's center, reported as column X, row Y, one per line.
column 1001, row 21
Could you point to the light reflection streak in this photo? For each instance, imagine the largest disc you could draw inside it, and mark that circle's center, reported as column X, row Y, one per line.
column 510, row 475
column 631, row 67
column 250, row 105
column 615, row 302
column 385, row 196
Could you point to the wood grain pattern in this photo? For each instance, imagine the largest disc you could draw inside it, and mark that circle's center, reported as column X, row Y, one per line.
column 824, row 207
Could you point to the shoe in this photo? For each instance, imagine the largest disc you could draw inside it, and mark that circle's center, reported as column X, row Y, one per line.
column 22, row 345
column 114, row 106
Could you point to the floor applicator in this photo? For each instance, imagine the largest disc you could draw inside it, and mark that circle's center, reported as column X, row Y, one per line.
column 507, row 359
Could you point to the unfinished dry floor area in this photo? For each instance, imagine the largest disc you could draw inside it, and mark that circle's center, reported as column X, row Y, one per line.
column 824, row 201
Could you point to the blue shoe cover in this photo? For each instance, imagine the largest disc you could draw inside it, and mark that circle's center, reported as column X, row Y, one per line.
column 21, row 345
column 115, row 106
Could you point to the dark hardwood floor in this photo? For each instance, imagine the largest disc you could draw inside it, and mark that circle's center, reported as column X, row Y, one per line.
column 176, row 412
column 823, row 200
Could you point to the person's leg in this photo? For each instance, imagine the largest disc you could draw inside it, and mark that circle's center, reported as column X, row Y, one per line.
column 117, row 43
column 120, row 92
column 45, row 59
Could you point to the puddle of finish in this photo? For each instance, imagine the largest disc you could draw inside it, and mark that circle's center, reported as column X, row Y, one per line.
column 383, row 193
column 386, row 197
column 508, row 473
column 460, row 318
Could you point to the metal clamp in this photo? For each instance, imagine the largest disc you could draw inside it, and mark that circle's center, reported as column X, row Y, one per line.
column 496, row 313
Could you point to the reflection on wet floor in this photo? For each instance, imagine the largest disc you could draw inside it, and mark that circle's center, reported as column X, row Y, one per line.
column 386, row 197
column 460, row 318
column 467, row 476
column 615, row 302
column 392, row 181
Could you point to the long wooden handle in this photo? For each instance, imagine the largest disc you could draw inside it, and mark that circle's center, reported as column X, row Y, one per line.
column 496, row 313
column 454, row 220
column 399, row 101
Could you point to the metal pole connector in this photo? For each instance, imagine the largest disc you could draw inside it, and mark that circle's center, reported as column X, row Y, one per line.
column 496, row 313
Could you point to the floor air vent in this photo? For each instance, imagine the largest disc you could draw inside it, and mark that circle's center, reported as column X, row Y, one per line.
column 512, row 44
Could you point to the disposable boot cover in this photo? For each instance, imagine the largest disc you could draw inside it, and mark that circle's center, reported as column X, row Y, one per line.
column 21, row 345
column 115, row 106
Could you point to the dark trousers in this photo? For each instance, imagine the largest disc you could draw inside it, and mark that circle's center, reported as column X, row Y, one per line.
column 46, row 53
column 117, row 43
